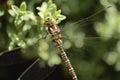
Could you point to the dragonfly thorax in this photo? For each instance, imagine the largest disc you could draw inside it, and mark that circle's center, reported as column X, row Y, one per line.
column 49, row 22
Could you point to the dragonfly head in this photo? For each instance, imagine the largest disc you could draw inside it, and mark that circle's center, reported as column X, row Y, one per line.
column 49, row 22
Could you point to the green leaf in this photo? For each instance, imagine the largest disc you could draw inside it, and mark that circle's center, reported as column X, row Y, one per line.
column 50, row 10
column 15, row 10
column 58, row 12
column 23, row 6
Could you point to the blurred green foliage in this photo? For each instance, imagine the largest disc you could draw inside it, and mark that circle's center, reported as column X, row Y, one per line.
column 93, row 47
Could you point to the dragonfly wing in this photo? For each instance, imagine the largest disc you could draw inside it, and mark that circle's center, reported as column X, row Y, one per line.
column 35, row 72
column 12, row 57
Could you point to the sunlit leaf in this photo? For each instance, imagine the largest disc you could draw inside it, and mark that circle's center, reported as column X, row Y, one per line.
column 50, row 10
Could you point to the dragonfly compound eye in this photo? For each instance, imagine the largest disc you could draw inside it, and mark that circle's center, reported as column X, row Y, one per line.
column 49, row 22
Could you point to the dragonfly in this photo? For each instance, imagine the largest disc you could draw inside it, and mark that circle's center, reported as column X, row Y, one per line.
column 56, row 37
column 55, row 33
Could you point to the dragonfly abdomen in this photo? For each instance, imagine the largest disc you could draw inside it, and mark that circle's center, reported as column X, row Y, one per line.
column 67, row 62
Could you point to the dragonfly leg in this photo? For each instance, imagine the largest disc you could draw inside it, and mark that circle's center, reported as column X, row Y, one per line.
column 46, row 35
